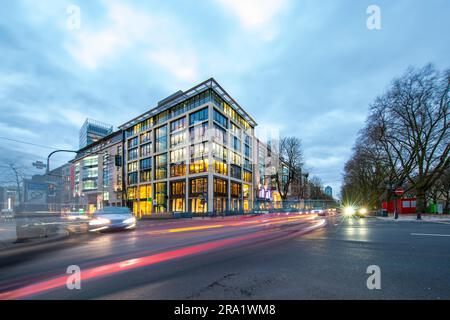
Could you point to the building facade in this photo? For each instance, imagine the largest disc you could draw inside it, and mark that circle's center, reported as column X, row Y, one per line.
column 98, row 174
column 194, row 152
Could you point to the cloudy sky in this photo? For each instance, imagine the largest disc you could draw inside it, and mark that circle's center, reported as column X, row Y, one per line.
column 308, row 68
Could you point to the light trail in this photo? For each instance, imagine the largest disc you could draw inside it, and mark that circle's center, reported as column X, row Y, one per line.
column 130, row 264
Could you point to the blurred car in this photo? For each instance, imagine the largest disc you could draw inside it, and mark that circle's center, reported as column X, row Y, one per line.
column 351, row 211
column 76, row 215
column 319, row 212
column 112, row 218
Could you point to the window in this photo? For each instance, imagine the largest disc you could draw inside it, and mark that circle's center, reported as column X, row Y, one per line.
column 220, row 119
column 245, row 190
column 220, row 135
column 178, row 188
column 178, row 155
column 235, row 130
column 145, row 164
column 177, row 139
column 198, row 132
column 161, row 139
column 236, row 144
column 235, row 172
column 198, row 166
column 220, row 167
column 178, row 169
column 247, row 150
column 132, row 154
column 146, row 137
column 235, row 158
column 132, row 166
column 247, row 165
column 161, row 197
column 131, row 193
column 163, row 116
column 220, row 186
column 145, row 150
column 89, row 185
column 133, row 142
column 198, row 186
column 247, row 176
column 235, row 189
column 161, row 166
column 247, row 139
column 198, row 116
column 178, row 124
column 132, row 178
column 145, row 176
column 198, row 150
column 219, row 151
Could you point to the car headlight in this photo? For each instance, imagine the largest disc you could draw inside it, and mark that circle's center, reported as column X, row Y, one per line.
column 99, row 221
column 363, row 210
column 130, row 220
column 348, row 211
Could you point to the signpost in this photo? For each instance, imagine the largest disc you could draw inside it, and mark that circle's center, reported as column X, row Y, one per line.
column 399, row 191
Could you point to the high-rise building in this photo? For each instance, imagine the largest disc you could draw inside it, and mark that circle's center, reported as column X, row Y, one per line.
column 193, row 152
column 328, row 191
column 92, row 131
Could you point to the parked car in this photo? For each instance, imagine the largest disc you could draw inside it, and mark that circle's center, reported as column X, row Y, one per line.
column 112, row 218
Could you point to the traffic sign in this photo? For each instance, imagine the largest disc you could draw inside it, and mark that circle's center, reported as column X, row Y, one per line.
column 399, row 191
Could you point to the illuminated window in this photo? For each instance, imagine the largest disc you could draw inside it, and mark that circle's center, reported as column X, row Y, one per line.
column 235, row 189
column 219, row 151
column 160, row 197
column 220, row 186
column 131, row 193
column 178, row 188
column 198, row 166
column 132, row 166
column 220, row 167
column 247, row 176
column 146, row 137
column 177, row 169
column 198, row 186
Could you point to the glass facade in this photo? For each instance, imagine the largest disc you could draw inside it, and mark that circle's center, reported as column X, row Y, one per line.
column 190, row 158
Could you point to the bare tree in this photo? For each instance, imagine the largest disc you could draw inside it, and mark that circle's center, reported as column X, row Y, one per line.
column 291, row 162
column 407, row 133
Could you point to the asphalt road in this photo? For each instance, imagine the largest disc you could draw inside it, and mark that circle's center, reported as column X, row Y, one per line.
column 262, row 257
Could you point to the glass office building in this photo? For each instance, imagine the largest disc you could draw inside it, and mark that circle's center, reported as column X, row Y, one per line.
column 92, row 131
column 191, row 153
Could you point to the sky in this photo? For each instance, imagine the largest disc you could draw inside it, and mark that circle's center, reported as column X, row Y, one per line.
column 307, row 68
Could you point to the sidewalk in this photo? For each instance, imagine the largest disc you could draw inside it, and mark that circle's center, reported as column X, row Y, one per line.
column 426, row 217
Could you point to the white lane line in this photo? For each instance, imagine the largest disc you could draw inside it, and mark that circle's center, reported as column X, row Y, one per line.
column 430, row 234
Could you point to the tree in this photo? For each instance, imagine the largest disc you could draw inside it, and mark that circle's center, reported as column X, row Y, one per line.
column 406, row 137
column 13, row 174
column 290, row 154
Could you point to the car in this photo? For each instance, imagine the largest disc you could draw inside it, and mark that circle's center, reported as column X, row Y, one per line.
column 112, row 218
column 319, row 211
column 77, row 215
column 359, row 212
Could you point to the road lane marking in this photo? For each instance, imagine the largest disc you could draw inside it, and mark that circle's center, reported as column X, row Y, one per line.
column 430, row 234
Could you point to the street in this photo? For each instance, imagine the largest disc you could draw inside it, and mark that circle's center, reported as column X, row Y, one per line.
column 256, row 257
